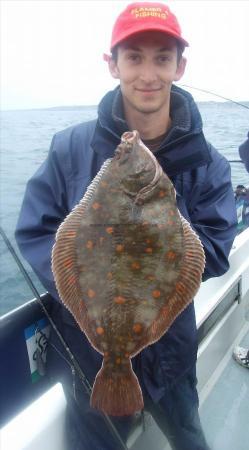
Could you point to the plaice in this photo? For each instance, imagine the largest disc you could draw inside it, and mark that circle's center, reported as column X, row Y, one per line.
column 126, row 264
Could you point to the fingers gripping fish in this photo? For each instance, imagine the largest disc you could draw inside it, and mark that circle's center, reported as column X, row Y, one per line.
column 126, row 264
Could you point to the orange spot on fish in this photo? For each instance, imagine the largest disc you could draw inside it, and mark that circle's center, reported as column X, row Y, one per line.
column 148, row 241
column 96, row 205
column 137, row 327
column 156, row 293
column 119, row 300
column 171, row 213
column 120, row 248
column 151, row 277
column 136, row 265
column 89, row 245
column 106, row 354
column 91, row 293
column 170, row 255
column 104, row 184
column 109, row 230
column 100, row 330
column 162, row 194
column 127, row 355
column 149, row 250
column 118, row 360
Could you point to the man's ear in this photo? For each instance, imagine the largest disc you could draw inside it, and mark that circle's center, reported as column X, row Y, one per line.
column 180, row 68
column 113, row 68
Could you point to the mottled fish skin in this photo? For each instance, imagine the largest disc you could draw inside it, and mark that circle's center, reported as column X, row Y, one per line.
column 126, row 264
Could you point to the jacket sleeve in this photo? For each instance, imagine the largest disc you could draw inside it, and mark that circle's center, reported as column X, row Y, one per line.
column 244, row 152
column 44, row 207
column 214, row 216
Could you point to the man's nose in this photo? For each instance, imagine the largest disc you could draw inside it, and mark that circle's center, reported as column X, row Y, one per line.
column 148, row 73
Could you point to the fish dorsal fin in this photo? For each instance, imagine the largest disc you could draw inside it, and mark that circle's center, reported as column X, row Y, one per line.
column 64, row 255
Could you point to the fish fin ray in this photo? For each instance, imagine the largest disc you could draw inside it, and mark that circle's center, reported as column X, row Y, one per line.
column 84, row 202
column 186, row 287
column 64, row 257
column 118, row 395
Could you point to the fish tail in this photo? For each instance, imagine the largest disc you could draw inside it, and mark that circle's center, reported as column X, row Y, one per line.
column 117, row 394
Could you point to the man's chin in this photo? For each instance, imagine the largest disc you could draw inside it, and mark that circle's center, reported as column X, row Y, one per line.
column 148, row 109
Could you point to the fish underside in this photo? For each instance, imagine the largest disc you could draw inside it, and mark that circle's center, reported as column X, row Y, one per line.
column 126, row 264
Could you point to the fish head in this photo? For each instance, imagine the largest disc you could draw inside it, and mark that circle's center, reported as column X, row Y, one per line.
column 136, row 164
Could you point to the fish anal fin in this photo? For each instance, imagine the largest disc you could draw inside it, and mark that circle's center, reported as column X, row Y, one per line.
column 186, row 286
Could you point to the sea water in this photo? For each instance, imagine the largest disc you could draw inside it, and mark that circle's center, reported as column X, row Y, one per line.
column 24, row 143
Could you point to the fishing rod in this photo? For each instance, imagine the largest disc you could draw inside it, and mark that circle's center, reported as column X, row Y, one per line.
column 215, row 94
column 75, row 365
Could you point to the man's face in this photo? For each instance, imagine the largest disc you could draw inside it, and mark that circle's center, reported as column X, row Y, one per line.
column 146, row 67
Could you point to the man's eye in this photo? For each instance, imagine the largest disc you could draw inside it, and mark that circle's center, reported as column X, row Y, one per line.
column 134, row 57
column 163, row 58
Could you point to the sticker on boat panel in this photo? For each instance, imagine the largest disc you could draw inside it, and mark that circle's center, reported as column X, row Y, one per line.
column 36, row 336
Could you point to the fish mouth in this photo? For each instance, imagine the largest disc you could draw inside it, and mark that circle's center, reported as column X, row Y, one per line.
column 129, row 137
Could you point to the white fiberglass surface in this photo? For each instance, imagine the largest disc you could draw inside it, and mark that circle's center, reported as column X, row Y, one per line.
column 44, row 417
column 225, row 412
column 212, row 291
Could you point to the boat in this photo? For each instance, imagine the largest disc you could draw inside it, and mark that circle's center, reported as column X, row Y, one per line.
column 33, row 411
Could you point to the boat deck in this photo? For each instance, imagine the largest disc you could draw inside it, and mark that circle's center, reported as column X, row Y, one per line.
column 224, row 407
column 224, row 403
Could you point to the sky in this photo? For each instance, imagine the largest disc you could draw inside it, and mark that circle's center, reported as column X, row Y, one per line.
column 51, row 51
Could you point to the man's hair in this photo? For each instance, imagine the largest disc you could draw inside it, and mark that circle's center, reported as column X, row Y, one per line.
column 180, row 50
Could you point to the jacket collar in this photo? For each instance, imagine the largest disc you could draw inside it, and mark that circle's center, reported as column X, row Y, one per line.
column 184, row 147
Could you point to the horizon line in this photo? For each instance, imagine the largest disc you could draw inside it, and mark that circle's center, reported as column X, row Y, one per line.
column 37, row 108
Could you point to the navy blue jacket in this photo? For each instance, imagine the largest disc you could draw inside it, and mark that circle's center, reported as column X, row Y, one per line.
column 244, row 152
column 201, row 177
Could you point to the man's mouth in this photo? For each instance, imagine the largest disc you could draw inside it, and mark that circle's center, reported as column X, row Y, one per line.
column 148, row 90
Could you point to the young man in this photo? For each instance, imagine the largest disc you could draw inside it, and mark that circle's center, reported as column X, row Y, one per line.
column 146, row 57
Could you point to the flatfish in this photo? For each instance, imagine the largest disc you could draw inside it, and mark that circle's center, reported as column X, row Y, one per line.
column 126, row 264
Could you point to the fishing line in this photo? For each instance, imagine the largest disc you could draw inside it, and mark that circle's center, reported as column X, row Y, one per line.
column 224, row 98
column 75, row 364
column 216, row 95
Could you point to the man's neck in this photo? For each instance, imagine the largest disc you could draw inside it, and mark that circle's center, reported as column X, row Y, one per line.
column 150, row 125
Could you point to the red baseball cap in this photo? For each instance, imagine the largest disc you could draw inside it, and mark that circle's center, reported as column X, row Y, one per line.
column 146, row 16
